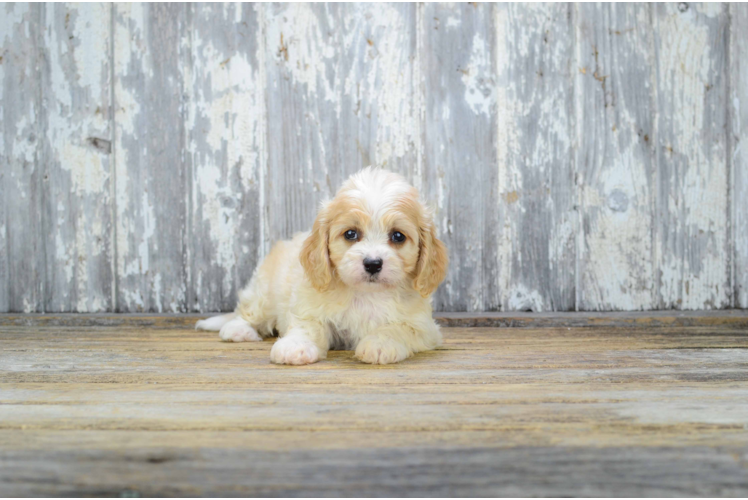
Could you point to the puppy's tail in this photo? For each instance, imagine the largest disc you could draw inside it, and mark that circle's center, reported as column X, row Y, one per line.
column 215, row 323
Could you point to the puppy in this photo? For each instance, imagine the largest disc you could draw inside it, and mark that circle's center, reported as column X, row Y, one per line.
column 361, row 280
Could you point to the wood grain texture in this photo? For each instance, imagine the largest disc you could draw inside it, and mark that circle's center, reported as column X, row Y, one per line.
column 124, row 410
column 463, row 472
column 692, row 233
column 339, row 97
column 149, row 150
column 537, row 247
column 615, row 156
column 22, row 166
column 226, row 130
column 738, row 152
column 459, row 68
column 76, row 151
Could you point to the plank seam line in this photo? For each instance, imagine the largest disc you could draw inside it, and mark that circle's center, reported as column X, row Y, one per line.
column 731, row 257
column 113, row 184
column 40, row 151
column 419, row 94
column 494, row 292
column 655, row 211
column 5, row 178
column 187, row 154
column 264, row 156
column 579, row 238
column 482, row 201
column 501, row 211
column 653, row 168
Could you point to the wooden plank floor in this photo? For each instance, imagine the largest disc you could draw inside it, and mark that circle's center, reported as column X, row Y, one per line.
column 115, row 408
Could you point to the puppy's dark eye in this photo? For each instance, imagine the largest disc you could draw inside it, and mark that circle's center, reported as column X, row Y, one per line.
column 351, row 235
column 397, row 237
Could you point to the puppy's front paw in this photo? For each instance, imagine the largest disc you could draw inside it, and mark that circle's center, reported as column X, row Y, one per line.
column 294, row 351
column 238, row 330
column 380, row 350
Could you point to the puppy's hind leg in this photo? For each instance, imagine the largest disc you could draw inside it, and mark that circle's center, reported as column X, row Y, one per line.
column 215, row 323
column 231, row 328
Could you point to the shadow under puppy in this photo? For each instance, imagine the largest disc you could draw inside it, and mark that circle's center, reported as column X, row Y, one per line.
column 361, row 279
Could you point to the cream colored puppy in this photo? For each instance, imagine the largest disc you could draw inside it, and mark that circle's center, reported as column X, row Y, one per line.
column 362, row 279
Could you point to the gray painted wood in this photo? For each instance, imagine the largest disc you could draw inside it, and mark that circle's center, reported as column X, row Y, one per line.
column 537, row 246
column 7, row 25
column 692, row 234
column 738, row 152
column 152, row 154
column 459, row 68
column 380, row 472
column 226, row 141
column 152, row 181
column 339, row 97
column 615, row 156
column 4, row 263
column 22, row 164
column 76, row 157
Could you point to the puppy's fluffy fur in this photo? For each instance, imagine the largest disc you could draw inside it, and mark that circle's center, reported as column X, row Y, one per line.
column 316, row 292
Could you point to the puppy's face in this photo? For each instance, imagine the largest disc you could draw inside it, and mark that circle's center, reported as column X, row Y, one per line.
column 372, row 246
column 375, row 234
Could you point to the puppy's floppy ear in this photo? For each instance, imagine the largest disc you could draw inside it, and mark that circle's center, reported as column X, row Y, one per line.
column 432, row 260
column 315, row 256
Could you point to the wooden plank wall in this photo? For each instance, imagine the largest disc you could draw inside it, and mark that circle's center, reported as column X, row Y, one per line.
column 737, row 156
column 578, row 156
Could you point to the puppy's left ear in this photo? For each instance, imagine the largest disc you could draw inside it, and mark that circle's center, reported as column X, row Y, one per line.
column 315, row 256
column 432, row 261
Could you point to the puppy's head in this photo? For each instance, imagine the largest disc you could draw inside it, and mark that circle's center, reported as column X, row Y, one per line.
column 375, row 234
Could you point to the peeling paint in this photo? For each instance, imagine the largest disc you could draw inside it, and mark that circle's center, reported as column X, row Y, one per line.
column 592, row 176
column 478, row 78
column 616, row 173
column 536, row 253
column 304, row 47
column 459, row 152
column 521, row 299
column 21, row 268
column 511, row 197
column 691, row 156
column 151, row 180
column 226, row 128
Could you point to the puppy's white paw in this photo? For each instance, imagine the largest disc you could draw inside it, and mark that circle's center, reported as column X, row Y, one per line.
column 238, row 330
column 380, row 350
column 294, row 351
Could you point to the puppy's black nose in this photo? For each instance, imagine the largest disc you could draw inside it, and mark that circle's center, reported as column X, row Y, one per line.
column 373, row 266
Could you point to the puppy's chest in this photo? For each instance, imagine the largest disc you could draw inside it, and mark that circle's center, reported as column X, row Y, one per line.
column 361, row 317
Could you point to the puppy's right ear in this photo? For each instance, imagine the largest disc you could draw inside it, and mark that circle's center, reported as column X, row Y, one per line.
column 315, row 256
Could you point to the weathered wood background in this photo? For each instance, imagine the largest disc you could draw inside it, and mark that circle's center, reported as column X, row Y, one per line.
column 580, row 156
